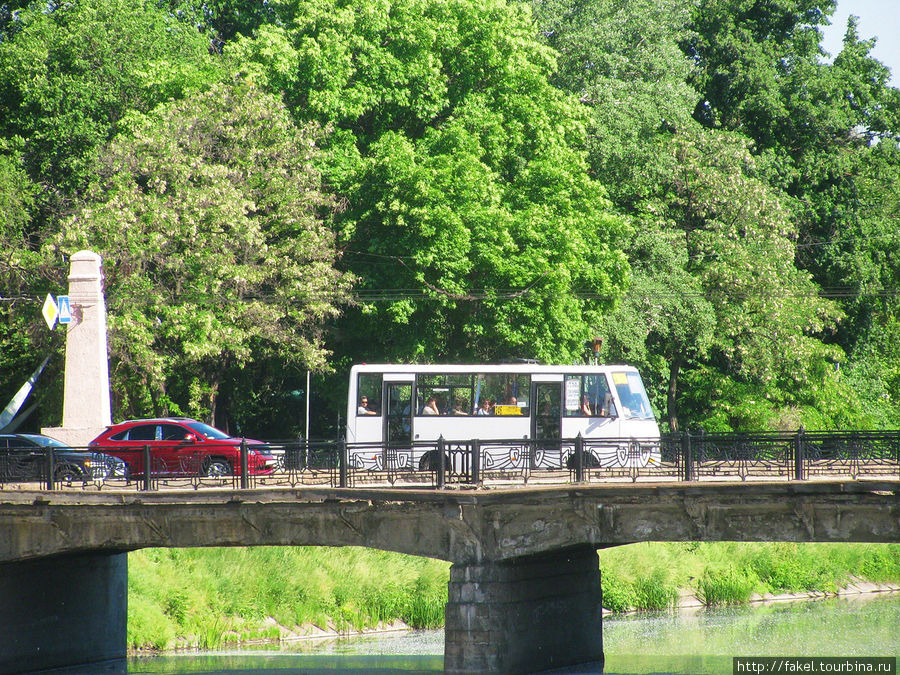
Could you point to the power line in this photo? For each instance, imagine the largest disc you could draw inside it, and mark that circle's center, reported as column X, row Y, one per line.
column 848, row 240
column 376, row 295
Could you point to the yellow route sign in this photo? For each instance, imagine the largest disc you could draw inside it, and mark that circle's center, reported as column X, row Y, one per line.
column 50, row 311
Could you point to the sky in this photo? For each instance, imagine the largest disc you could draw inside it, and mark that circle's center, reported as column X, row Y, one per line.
column 877, row 18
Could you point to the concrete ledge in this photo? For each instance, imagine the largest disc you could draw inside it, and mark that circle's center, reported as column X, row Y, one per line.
column 468, row 528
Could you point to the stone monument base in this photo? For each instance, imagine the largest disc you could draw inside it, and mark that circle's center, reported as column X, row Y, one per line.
column 74, row 437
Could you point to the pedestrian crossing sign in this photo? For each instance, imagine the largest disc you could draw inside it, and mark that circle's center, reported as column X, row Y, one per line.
column 65, row 309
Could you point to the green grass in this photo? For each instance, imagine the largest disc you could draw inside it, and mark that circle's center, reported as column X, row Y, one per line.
column 208, row 597
column 730, row 572
column 726, row 586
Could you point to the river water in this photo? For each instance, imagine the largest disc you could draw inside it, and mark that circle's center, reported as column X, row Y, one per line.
column 696, row 642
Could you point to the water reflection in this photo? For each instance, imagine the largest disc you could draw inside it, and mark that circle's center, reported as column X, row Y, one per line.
column 402, row 652
column 696, row 643
column 704, row 641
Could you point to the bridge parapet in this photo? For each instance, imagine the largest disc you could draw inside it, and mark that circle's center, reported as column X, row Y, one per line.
column 687, row 457
column 459, row 526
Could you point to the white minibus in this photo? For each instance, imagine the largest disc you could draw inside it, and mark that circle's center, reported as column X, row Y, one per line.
column 547, row 406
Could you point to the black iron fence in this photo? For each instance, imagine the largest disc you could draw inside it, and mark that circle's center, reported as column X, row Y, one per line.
column 674, row 457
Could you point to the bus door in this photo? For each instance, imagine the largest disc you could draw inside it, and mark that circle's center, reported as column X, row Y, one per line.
column 546, row 420
column 398, row 413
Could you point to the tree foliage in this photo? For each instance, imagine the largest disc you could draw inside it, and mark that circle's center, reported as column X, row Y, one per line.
column 470, row 214
column 69, row 73
column 717, row 295
column 694, row 181
column 831, row 131
column 207, row 214
column 23, row 335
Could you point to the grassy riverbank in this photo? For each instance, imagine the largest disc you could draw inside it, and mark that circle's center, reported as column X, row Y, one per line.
column 206, row 597
column 655, row 575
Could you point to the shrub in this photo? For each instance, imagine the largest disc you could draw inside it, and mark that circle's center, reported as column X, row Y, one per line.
column 655, row 591
column 726, row 586
column 618, row 593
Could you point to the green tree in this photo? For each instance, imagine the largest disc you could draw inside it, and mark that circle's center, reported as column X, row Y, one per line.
column 216, row 257
column 224, row 20
column 666, row 323
column 718, row 289
column 624, row 63
column 831, row 131
column 716, row 298
column 70, row 72
column 469, row 216
column 741, row 240
column 25, row 278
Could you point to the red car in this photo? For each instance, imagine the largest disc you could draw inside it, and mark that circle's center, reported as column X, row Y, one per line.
column 182, row 447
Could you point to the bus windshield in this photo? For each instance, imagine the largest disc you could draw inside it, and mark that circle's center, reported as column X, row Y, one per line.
column 635, row 404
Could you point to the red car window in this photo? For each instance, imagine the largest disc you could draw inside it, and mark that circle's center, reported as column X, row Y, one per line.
column 142, row 432
column 173, row 432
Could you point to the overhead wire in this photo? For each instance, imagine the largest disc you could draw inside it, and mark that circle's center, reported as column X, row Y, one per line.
column 374, row 296
column 430, row 291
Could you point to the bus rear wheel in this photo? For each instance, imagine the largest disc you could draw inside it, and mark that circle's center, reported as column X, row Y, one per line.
column 588, row 461
column 431, row 461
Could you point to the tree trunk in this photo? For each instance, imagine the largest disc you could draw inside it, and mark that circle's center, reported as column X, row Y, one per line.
column 213, row 399
column 671, row 404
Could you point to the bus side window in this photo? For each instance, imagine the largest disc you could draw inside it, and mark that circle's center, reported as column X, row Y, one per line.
column 462, row 401
column 368, row 391
column 589, row 396
column 601, row 394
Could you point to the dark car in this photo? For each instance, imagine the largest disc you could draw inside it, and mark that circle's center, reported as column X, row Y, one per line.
column 182, row 447
column 24, row 457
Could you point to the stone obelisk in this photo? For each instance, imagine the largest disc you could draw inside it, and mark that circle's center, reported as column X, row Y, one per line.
column 86, row 408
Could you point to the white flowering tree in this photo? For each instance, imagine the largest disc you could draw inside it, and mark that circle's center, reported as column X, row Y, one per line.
column 208, row 215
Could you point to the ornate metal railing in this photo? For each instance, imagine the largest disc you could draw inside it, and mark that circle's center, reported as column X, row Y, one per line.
column 674, row 457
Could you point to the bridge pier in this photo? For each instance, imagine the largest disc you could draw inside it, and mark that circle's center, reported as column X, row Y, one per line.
column 524, row 614
column 64, row 611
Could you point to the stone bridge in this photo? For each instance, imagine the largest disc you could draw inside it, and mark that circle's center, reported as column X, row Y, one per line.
column 524, row 591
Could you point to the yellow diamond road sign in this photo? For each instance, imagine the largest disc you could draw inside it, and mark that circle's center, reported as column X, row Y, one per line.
column 50, row 311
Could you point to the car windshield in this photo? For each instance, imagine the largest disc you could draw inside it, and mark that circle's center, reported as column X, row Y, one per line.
column 207, row 431
column 45, row 441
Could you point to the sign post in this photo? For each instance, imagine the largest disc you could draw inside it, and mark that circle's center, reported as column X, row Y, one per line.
column 86, row 404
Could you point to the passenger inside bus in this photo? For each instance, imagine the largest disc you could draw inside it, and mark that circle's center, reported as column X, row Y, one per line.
column 509, row 407
column 485, row 408
column 586, row 406
column 364, row 407
column 431, row 407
